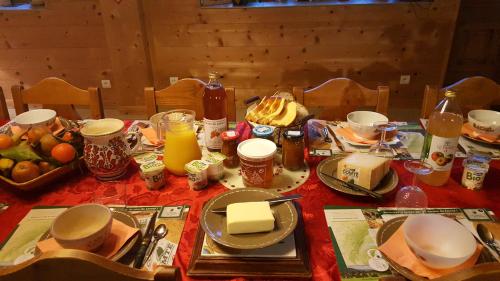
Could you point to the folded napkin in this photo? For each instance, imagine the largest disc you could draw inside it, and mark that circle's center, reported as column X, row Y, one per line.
column 349, row 134
column 467, row 129
column 120, row 234
column 397, row 250
column 150, row 134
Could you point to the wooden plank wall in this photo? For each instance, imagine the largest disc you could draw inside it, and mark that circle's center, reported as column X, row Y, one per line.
column 476, row 46
column 260, row 50
column 256, row 50
column 65, row 39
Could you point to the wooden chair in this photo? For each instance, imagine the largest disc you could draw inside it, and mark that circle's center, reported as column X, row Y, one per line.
column 335, row 98
column 4, row 112
column 59, row 95
column 472, row 93
column 186, row 93
column 76, row 265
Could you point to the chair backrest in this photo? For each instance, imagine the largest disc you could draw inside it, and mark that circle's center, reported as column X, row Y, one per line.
column 76, row 265
column 335, row 98
column 472, row 93
column 59, row 95
column 4, row 112
column 186, row 93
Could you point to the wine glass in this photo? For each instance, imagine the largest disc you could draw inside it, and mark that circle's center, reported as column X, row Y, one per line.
column 412, row 196
column 382, row 148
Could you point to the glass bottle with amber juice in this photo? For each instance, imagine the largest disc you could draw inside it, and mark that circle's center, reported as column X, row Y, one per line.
column 214, row 108
column 441, row 140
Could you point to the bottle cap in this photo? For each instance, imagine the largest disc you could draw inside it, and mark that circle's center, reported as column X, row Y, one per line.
column 293, row 134
column 262, row 131
column 450, row 94
column 229, row 135
column 213, row 75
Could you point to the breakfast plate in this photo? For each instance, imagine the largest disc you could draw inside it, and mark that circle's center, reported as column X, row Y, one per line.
column 329, row 166
column 214, row 225
column 390, row 227
column 124, row 217
column 469, row 137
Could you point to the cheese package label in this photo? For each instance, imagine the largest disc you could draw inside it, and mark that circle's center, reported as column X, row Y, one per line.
column 363, row 169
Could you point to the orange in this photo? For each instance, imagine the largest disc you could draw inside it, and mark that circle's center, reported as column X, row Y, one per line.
column 67, row 137
column 63, row 152
column 5, row 141
column 25, row 171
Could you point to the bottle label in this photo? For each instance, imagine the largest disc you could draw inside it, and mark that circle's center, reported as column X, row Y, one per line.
column 439, row 152
column 213, row 130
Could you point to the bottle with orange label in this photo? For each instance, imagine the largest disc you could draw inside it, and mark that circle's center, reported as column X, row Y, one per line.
column 214, row 108
column 441, row 140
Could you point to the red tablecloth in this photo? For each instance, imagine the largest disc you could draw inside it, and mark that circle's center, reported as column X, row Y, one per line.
column 80, row 189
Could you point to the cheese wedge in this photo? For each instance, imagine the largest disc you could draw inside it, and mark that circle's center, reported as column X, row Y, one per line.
column 363, row 169
column 249, row 217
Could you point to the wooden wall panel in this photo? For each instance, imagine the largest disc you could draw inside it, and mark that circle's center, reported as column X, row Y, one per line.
column 476, row 46
column 259, row 50
column 65, row 39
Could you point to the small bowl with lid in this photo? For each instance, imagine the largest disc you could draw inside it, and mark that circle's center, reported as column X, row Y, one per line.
column 257, row 160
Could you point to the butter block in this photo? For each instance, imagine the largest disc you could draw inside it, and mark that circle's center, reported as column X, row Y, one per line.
column 249, row 217
column 363, row 169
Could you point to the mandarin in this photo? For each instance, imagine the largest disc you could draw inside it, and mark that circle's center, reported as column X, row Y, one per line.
column 63, row 152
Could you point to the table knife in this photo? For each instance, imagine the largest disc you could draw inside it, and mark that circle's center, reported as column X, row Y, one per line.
column 272, row 201
column 354, row 186
column 139, row 257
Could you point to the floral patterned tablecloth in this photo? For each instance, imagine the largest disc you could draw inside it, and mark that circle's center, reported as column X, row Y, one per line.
column 82, row 188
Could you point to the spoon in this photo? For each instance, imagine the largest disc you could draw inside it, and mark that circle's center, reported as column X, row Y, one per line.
column 487, row 237
column 160, row 231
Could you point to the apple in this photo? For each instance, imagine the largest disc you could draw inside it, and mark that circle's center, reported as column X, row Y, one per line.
column 25, row 171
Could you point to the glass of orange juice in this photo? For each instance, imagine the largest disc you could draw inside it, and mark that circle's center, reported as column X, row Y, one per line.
column 181, row 145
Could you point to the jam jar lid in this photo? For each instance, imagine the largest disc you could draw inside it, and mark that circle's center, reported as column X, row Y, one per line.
column 262, row 131
column 229, row 135
column 293, row 134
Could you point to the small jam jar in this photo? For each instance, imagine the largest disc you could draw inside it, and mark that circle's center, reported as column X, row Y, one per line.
column 229, row 148
column 293, row 150
column 263, row 132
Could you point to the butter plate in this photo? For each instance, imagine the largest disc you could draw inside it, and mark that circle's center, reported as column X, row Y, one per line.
column 329, row 166
column 214, row 225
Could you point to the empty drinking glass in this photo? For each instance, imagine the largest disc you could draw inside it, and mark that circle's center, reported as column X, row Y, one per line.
column 412, row 196
column 382, row 148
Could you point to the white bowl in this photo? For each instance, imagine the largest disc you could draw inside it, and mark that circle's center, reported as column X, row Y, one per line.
column 84, row 227
column 361, row 122
column 485, row 121
column 438, row 241
column 36, row 117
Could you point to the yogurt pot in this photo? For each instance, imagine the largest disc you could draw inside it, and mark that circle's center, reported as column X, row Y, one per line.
column 215, row 170
column 474, row 174
column 154, row 175
column 197, row 173
column 256, row 161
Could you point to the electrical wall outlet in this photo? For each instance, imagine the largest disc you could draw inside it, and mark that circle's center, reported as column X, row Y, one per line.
column 106, row 84
column 405, row 79
column 173, row 80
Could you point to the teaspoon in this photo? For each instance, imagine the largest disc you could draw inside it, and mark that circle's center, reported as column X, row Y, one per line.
column 487, row 237
column 160, row 231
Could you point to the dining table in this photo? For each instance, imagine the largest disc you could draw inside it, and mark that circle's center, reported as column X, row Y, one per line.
column 80, row 188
